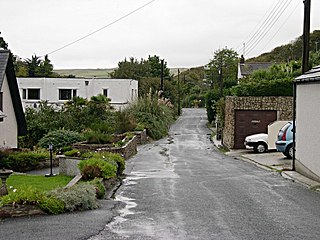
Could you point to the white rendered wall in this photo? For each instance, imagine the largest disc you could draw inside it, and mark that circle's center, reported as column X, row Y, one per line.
column 308, row 126
column 8, row 128
column 120, row 91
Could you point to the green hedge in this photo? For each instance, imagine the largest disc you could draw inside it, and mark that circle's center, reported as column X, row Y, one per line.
column 24, row 161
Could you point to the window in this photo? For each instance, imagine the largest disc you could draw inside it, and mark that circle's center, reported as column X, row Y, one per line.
column 31, row 93
column 24, row 93
column 67, row 94
column 105, row 92
column 34, row 94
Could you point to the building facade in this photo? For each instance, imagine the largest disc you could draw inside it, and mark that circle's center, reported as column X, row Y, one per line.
column 12, row 119
column 59, row 90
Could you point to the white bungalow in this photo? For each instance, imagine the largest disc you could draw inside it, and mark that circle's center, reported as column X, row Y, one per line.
column 59, row 90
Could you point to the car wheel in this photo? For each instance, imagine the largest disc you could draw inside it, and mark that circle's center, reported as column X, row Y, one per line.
column 260, row 148
column 289, row 151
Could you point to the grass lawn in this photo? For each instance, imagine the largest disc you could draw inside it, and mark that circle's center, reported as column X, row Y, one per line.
column 38, row 182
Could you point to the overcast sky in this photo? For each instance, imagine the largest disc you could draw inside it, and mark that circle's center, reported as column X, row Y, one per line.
column 183, row 32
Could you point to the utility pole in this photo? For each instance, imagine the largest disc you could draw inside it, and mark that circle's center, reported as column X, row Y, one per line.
column 305, row 68
column 306, row 36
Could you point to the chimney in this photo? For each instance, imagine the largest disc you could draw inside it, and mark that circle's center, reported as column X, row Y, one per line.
column 242, row 59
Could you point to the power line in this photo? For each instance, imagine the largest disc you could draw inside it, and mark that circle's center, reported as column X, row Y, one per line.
column 100, row 29
column 262, row 35
column 261, row 23
column 282, row 25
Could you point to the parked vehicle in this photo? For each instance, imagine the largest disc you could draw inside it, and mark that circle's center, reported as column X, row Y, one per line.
column 284, row 143
column 257, row 142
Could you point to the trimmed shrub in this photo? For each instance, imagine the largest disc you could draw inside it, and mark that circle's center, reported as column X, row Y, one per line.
column 60, row 139
column 23, row 161
column 96, row 167
column 81, row 196
column 112, row 158
column 30, row 196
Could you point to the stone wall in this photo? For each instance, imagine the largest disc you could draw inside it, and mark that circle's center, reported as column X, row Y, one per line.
column 18, row 210
column 283, row 106
column 141, row 136
column 69, row 165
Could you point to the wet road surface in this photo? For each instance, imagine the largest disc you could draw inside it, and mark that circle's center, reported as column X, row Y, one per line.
column 182, row 188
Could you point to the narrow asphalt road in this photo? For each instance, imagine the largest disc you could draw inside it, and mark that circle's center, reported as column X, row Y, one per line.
column 183, row 188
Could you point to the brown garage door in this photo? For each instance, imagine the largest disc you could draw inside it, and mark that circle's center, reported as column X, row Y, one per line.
column 251, row 122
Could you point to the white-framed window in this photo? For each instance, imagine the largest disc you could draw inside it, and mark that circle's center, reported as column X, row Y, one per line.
column 106, row 92
column 67, row 94
column 31, row 93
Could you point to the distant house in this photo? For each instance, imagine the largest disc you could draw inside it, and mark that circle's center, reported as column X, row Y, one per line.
column 246, row 68
column 12, row 119
column 59, row 90
column 308, row 124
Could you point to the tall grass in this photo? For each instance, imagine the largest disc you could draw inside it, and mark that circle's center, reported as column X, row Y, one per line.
column 155, row 114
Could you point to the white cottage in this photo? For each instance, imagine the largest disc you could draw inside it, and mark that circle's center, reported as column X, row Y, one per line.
column 308, row 124
column 12, row 119
column 59, row 90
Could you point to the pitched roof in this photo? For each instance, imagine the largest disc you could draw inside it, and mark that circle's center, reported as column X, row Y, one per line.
column 249, row 67
column 311, row 76
column 7, row 69
column 4, row 56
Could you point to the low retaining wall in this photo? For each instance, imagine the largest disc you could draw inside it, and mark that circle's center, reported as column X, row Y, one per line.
column 141, row 136
column 125, row 151
column 18, row 210
column 69, row 165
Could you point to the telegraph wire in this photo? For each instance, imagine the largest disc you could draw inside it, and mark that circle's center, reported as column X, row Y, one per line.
column 265, row 22
column 286, row 20
column 100, row 29
column 261, row 23
column 279, row 14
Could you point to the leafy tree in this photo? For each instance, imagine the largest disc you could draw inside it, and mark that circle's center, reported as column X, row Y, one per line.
column 154, row 63
column 45, row 68
column 33, row 66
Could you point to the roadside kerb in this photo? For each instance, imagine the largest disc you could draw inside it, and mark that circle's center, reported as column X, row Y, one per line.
column 274, row 161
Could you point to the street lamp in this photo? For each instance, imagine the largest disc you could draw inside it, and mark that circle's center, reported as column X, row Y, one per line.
column 50, row 150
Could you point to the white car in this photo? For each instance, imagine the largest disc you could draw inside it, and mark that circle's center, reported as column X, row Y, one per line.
column 257, row 142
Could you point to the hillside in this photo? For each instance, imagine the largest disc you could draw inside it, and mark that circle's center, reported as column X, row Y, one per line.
column 290, row 51
column 99, row 72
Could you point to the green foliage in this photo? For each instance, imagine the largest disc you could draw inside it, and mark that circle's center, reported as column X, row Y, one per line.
column 153, row 113
column 289, row 52
column 212, row 97
column 34, row 67
column 97, row 137
column 39, row 121
column 31, row 196
column 97, row 168
column 81, row 196
column 134, row 69
column 73, row 153
column 100, row 188
column 23, row 161
column 281, row 87
column 60, row 138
